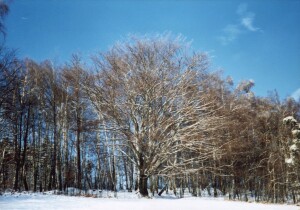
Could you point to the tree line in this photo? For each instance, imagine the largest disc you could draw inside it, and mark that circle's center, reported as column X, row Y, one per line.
column 147, row 115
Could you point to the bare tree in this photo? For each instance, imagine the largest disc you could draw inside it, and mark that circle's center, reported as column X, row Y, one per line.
column 74, row 76
column 149, row 92
column 4, row 9
column 150, row 114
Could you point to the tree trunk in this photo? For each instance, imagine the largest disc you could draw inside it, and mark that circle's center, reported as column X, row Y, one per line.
column 59, row 169
column 17, row 157
column 25, row 140
column 35, row 158
column 162, row 190
column 78, row 157
column 126, row 172
column 143, row 185
column 52, row 180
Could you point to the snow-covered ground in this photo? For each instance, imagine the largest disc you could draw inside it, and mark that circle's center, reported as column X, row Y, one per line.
column 126, row 201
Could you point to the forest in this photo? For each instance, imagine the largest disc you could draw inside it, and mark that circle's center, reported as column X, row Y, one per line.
column 149, row 114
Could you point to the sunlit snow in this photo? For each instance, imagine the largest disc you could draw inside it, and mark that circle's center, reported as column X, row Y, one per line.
column 127, row 202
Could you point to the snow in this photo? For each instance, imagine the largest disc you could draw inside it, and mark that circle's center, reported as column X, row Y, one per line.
column 289, row 119
column 296, row 141
column 127, row 201
column 296, row 132
column 293, row 147
column 289, row 161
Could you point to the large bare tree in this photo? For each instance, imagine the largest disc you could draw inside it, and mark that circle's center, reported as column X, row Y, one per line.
column 148, row 92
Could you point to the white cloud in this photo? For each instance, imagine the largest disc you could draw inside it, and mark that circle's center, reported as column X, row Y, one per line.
column 246, row 17
column 296, row 94
column 231, row 32
column 245, row 23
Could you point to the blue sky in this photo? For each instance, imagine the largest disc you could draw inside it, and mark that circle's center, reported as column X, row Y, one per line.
column 257, row 39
